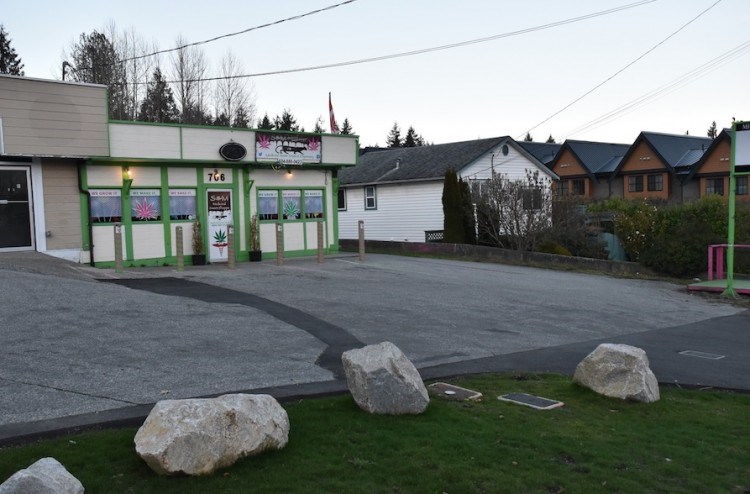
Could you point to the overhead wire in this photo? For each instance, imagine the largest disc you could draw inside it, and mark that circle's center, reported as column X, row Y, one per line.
column 424, row 50
column 623, row 69
column 662, row 91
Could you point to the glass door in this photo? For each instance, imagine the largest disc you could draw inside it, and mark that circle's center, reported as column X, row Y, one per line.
column 15, row 209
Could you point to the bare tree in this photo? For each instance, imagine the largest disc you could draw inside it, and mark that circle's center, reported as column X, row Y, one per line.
column 514, row 214
column 232, row 92
column 188, row 66
column 131, row 48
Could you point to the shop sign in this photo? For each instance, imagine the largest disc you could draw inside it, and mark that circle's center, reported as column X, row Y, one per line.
column 233, row 151
column 287, row 149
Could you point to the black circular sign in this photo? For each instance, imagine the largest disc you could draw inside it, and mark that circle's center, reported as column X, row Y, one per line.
column 233, row 151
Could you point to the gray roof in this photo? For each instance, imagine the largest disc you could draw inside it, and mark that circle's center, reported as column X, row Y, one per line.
column 544, row 152
column 678, row 151
column 598, row 157
column 417, row 163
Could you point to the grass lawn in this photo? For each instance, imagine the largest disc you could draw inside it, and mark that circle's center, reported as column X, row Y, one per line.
column 689, row 441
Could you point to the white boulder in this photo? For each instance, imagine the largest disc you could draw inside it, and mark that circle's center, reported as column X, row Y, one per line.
column 198, row 436
column 46, row 476
column 383, row 381
column 618, row 371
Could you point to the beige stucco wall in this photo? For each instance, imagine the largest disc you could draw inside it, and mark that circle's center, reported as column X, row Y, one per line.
column 62, row 204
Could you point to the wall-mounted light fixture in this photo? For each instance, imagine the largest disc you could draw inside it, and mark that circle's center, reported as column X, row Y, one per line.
column 289, row 174
column 127, row 181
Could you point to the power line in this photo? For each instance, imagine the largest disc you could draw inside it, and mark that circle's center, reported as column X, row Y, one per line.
column 619, row 71
column 675, row 84
column 293, row 18
column 424, row 50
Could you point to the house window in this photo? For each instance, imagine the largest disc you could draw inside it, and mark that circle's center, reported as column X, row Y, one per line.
column 655, row 182
column 578, row 187
column 182, row 204
column 292, row 204
column 371, row 198
column 715, row 186
column 532, row 198
column 635, row 183
column 342, row 199
column 106, row 205
column 562, row 188
column 145, row 205
column 741, row 186
column 268, row 204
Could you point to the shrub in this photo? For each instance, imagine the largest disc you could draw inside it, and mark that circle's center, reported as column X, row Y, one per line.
column 550, row 247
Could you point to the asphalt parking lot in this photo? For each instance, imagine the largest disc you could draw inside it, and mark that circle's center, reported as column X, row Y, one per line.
column 83, row 345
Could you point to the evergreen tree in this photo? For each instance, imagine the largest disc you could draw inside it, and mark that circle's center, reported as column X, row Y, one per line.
column 551, row 140
column 221, row 120
column 159, row 105
column 412, row 139
column 265, row 123
column 10, row 62
column 453, row 222
column 528, row 137
column 713, row 131
column 394, row 137
column 286, row 121
column 467, row 213
column 346, row 128
column 319, row 125
column 241, row 118
column 95, row 59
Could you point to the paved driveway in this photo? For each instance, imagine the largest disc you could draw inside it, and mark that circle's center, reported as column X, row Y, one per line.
column 75, row 345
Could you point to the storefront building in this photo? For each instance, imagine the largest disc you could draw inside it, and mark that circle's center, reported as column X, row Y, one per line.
column 69, row 179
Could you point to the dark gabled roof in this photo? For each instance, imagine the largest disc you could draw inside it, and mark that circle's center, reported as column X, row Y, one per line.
column 417, row 163
column 724, row 135
column 544, row 152
column 678, row 152
column 596, row 157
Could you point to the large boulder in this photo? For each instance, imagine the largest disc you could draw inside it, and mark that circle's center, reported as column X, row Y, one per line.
column 46, row 476
column 618, row 371
column 198, row 436
column 382, row 380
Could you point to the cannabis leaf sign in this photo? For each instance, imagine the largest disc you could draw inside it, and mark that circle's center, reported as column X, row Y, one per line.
column 220, row 241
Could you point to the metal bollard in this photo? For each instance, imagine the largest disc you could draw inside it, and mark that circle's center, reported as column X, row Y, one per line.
column 279, row 244
column 180, row 249
column 320, row 242
column 230, row 247
column 118, row 248
column 361, row 241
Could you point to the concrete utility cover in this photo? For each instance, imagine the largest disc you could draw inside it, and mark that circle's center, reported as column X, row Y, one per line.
column 531, row 401
column 695, row 353
column 455, row 393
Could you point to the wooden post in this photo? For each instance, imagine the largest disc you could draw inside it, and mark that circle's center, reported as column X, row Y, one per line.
column 180, row 249
column 230, row 247
column 279, row 244
column 361, row 229
column 118, row 248
column 320, row 242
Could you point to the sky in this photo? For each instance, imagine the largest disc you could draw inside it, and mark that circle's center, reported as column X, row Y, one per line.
column 504, row 86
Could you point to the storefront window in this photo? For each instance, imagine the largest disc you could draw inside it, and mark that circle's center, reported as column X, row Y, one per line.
column 145, row 205
column 292, row 204
column 313, row 204
column 106, row 206
column 268, row 205
column 182, row 204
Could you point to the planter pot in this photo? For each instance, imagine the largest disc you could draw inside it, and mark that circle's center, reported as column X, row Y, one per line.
column 256, row 256
column 199, row 259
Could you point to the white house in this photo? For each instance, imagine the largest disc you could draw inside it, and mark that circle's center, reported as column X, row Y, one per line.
column 398, row 192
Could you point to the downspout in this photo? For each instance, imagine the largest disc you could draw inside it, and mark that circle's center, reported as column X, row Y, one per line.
column 88, row 213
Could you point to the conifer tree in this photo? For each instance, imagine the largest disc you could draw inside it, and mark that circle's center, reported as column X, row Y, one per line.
column 551, row 140
column 159, row 104
column 286, row 121
column 713, row 131
column 394, row 137
column 10, row 62
column 265, row 123
column 241, row 118
column 412, row 139
column 346, row 128
column 467, row 213
column 453, row 223
column 528, row 137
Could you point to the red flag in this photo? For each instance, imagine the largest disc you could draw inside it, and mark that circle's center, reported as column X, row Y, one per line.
column 334, row 125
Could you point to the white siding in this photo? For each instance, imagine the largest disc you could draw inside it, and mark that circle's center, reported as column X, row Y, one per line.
column 146, row 176
column 404, row 213
column 182, row 177
column 204, row 144
column 339, row 150
column 513, row 166
column 104, row 176
column 144, row 141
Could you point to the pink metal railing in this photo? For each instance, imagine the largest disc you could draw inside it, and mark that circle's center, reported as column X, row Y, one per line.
column 716, row 259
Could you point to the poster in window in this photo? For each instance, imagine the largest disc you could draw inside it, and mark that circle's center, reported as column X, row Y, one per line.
column 292, row 203
column 145, row 205
column 182, row 204
column 268, row 205
column 219, row 205
column 106, row 205
column 313, row 204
